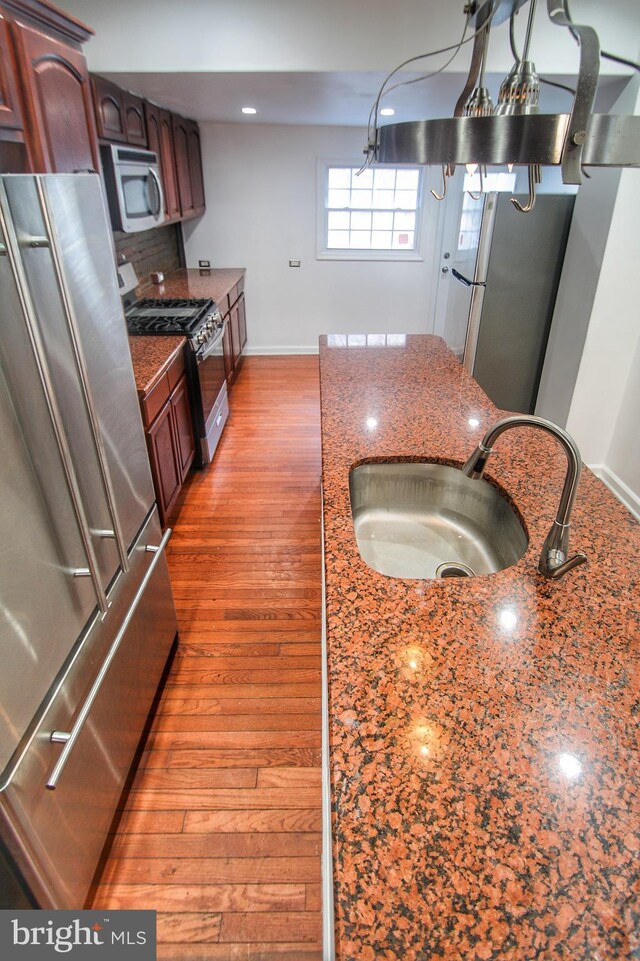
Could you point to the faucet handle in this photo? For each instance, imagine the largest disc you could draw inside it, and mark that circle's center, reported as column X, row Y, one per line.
column 556, row 568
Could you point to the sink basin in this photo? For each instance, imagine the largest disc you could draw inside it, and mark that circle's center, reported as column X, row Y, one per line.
column 424, row 520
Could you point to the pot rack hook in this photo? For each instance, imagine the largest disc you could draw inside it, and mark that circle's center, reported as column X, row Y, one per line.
column 445, row 174
column 478, row 196
column 535, row 177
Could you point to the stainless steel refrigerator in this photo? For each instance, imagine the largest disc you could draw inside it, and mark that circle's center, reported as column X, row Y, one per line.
column 87, row 618
column 512, row 296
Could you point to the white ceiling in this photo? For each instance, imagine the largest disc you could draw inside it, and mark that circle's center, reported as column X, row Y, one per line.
column 328, row 98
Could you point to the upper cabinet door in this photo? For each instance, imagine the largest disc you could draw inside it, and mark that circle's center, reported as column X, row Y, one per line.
column 195, row 167
column 181, row 146
column 135, row 126
column 56, row 85
column 10, row 111
column 110, row 116
column 160, row 139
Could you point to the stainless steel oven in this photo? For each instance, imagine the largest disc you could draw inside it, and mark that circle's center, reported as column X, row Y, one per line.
column 201, row 323
column 211, row 404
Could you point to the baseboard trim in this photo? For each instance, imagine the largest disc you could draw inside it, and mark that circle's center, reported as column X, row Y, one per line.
column 270, row 351
column 617, row 487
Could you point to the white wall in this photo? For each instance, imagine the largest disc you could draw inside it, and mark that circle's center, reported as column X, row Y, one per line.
column 261, row 189
column 219, row 35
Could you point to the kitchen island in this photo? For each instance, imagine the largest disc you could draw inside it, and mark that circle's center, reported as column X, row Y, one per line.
column 483, row 732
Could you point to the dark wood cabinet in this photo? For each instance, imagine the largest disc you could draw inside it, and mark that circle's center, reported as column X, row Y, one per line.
column 166, row 414
column 227, row 352
column 242, row 321
column 109, row 108
column 183, row 429
column 194, row 153
column 160, row 140
column 59, row 123
column 10, row 109
column 134, row 122
column 119, row 114
column 180, row 128
column 235, row 337
column 164, row 466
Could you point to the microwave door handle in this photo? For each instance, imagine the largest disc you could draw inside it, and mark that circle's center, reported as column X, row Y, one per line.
column 157, row 190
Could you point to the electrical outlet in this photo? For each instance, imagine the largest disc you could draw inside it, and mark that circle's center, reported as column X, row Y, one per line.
column 204, row 263
column 295, row 263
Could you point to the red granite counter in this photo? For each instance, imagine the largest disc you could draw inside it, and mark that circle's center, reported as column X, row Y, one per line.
column 484, row 732
column 215, row 283
column 151, row 357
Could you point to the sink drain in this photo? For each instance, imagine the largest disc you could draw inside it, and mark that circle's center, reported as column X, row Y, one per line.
column 454, row 569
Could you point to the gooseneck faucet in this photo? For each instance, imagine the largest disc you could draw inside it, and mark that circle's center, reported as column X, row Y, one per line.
column 554, row 560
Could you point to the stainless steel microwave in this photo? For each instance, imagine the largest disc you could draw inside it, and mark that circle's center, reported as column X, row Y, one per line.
column 134, row 190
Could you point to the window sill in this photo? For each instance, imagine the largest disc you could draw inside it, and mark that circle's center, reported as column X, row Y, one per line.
column 391, row 256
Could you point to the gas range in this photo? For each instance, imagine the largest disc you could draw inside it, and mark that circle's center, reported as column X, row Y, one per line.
column 197, row 319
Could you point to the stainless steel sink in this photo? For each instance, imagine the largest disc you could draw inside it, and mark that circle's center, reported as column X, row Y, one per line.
column 423, row 520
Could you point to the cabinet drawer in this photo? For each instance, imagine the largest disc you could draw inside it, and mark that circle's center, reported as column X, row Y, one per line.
column 176, row 370
column 155, row 400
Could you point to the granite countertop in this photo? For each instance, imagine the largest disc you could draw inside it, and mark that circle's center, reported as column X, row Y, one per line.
column 484, row 741
column 151, row 356
column 187, row 282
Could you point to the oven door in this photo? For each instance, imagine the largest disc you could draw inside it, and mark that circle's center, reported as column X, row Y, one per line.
column 212, row 388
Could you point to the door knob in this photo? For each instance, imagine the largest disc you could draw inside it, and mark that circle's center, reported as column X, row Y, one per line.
column 445, row 270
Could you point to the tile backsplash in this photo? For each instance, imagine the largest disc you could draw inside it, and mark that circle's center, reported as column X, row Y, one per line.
column 150, row 250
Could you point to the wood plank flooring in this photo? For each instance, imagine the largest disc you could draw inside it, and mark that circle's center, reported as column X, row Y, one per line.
column 221, row 832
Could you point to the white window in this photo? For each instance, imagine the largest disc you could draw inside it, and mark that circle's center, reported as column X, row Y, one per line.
column 374, row 215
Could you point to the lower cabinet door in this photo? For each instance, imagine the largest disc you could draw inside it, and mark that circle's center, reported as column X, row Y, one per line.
column 185, row 446
column 242, row 321
column 166, row 473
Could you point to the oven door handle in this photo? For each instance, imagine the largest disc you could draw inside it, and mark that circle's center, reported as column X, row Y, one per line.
column 211, row 347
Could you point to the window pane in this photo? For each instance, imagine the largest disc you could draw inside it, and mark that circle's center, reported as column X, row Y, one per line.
column 360, row 240
column 360, row 199
column 338, row 220
column 407, row 199
column 384, row 179
column 402, row 240
column 339, row 177
column 381, row 239
column 338, row 198
column 407, row 179
column 382, row 220
column 363, row 181
column 361, row 220
column 404, row 221
column 384, row 198
column 337, row 238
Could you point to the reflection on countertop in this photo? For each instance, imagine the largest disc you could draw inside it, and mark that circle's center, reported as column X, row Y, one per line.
column 484, row 738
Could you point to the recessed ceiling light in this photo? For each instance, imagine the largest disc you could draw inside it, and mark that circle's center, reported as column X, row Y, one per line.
column 249, row 110
column 387, row 112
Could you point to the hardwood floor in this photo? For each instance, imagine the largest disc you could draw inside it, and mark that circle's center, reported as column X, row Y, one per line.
column 221, row 832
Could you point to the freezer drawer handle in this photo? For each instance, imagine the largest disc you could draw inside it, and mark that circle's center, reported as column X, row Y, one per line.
column 69, row 738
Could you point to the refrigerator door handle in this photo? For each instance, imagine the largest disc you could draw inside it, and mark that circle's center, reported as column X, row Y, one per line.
column 81, row 367
column 69, row 738
column 12, row 247
column 465, row 280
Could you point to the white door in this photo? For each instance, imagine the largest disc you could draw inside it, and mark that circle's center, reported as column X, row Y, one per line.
column 461, row 220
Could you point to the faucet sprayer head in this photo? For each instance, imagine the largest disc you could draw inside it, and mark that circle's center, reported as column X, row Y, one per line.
column 474, row 467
